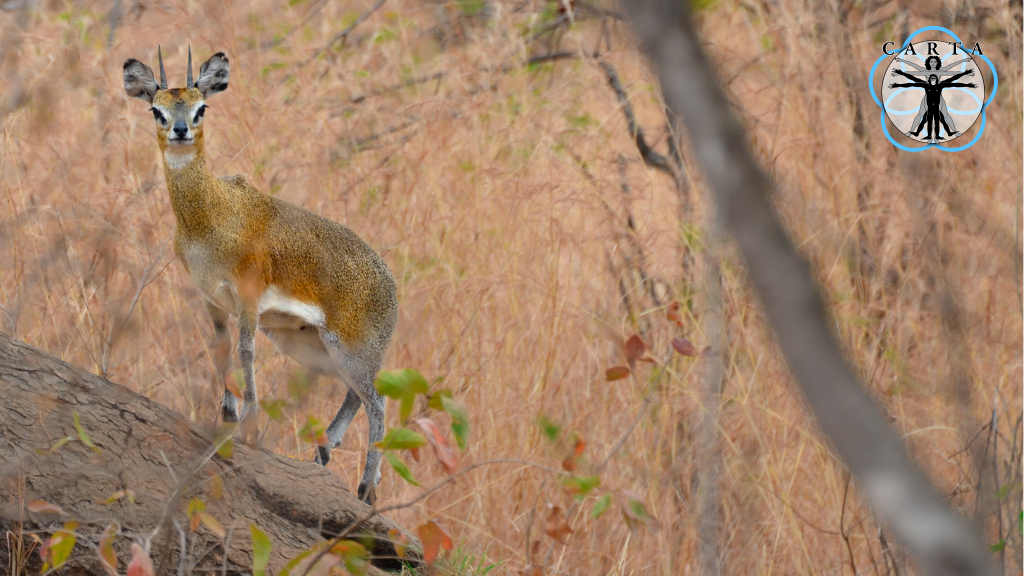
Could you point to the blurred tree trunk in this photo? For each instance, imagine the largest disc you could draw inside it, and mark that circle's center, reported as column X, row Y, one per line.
column 943, row 543
column 164, row 460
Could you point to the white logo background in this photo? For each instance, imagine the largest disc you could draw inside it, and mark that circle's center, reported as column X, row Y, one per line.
column 905, row 107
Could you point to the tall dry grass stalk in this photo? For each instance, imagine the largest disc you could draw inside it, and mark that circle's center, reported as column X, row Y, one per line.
column 496, row 195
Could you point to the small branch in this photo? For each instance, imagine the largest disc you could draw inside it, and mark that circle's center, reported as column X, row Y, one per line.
column 312, row 12
column 643, row 408
column 503, row 69
column 651, row 158
column 115, row 18
column 708, row 435
column 343, row 35
column 529, row 525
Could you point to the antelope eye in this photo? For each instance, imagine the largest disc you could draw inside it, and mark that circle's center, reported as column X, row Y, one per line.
column 199, row 114
column 158, row 116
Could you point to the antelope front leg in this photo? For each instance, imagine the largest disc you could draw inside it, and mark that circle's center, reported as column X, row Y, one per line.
column 222, row 360
column 246, row 351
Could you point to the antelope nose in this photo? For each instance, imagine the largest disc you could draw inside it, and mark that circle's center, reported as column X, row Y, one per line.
column 180, row 129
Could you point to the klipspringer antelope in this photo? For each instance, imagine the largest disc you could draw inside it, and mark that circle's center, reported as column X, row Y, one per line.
column 319, row 293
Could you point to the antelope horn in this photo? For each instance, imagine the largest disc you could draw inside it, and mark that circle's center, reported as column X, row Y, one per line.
column 189, row 84
column 163, row 75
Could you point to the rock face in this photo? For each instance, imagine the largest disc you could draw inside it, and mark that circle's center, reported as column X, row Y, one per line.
column 163, row 459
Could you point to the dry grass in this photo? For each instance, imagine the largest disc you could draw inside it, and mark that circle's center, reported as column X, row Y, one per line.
column 496, row 198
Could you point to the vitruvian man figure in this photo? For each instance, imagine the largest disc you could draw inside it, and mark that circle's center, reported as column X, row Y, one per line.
column 934, row 107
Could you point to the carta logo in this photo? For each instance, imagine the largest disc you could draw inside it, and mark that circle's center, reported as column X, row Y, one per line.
column 933, row 92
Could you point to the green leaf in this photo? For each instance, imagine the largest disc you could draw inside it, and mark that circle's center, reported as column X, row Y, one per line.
column 550, row 429
column 401, row 439
column 401, row 468
column 435, row 398
column 601, row 506
column 313, row 431
column 353, row 554
column 298, row 385
column 274, row 409
column 224, row 439
column 635, row 512
column 1005, row 490
column 402, row 385
column 460, row 420
column 83, row 436
column 227, row 449
column 195, row 506
column 580, row 486
column 286, row 571
column 998, row 546
column 58, row 548
column 260, row 550
column 56, row 446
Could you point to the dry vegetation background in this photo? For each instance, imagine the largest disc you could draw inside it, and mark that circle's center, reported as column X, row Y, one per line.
column 502, row 196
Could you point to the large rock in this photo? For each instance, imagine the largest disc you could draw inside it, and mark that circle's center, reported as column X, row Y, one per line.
column 153, row 451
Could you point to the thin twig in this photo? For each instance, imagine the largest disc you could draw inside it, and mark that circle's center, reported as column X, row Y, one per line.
column 312, row 12
column 503, row 69
column 374, row 511
column 651, row 158
column 343, row 35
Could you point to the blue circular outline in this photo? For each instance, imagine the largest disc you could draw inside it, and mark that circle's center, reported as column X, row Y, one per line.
column 981, row 130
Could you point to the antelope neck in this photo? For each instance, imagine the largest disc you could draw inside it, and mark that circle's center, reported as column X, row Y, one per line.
column 195, row 193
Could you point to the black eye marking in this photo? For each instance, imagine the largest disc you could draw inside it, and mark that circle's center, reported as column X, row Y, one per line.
column 199, row 113
column 158, row 116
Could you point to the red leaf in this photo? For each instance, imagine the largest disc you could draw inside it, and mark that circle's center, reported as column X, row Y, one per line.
column 442, row 449
column 673, row 314
column 616, row 373
column 433, row 538
column 108, row 559
column 140, row 565
column 579, row 445
column 634, row 349
column 44, row 507
column 399, row 540
column 555, row 525
column 212, row 524
column 684, row 347
column 231, row 384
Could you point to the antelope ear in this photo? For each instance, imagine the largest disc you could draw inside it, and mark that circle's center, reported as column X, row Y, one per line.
column 213, row 75
column 138, row 80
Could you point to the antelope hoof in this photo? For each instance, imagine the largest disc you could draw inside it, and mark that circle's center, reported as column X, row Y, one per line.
column 367, row 494
column 228, row 415
column 323, row 455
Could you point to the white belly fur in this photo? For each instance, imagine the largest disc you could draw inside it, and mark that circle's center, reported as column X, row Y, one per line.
column 305, row 347
column 274, row 303
column 294, row 328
